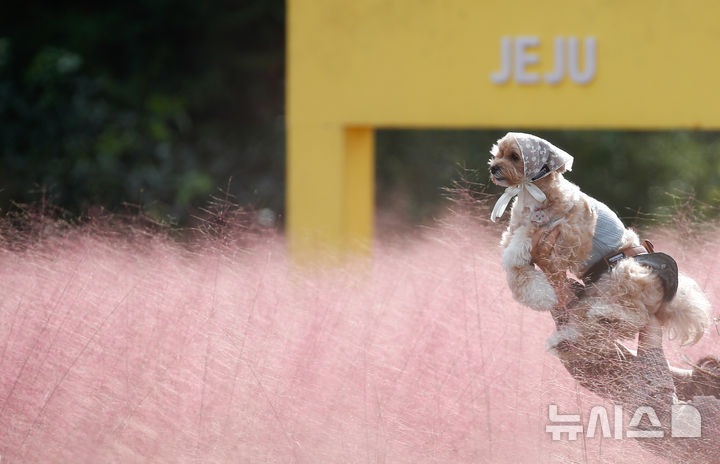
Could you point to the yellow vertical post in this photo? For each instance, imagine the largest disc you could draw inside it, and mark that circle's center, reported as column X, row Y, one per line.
column 315, row 180
column 359, row 188
column 330, row 189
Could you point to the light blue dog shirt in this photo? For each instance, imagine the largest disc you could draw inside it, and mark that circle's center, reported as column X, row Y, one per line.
column 609, row 231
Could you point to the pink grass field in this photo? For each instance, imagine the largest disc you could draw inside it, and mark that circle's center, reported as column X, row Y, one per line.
column 146, row 350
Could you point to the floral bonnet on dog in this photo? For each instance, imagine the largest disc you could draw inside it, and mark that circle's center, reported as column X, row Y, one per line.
column 540, row 158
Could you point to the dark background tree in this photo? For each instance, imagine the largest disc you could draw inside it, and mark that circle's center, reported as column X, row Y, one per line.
column 152, row 102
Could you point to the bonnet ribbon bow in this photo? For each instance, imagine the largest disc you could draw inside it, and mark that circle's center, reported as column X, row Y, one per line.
column 510, row 193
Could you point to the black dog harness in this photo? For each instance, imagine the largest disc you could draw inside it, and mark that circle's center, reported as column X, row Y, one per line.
column 662, row 264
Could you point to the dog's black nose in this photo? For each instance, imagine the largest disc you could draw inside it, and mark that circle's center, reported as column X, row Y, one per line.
column 494, row 169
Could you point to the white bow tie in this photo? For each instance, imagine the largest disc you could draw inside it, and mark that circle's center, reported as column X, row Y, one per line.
column 510, row 193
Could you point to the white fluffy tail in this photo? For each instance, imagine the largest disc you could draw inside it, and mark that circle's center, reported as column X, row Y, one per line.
column 688, row 314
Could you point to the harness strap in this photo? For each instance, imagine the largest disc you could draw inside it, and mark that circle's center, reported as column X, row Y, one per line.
column 598, row 269
column 663, row 265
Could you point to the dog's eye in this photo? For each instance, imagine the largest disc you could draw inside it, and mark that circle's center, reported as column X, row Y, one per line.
column 514, row 157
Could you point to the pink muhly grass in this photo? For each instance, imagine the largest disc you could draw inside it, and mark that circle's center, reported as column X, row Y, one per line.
column 118, row 349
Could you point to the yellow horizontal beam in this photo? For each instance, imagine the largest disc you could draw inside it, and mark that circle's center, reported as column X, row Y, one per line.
column 404, row 63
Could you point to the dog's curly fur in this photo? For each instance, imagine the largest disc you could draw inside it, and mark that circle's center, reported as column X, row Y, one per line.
column 621, row 301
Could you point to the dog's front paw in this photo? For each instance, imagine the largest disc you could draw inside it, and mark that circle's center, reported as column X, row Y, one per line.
column 547, row 301
column 537, row 293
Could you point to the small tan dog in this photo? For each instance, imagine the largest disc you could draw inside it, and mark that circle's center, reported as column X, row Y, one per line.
column 620, row 293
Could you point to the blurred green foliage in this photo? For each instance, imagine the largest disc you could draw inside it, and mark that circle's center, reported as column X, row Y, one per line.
column 150, row 102
column 642, row 175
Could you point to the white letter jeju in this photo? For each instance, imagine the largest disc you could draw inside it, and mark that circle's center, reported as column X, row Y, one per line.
column 517, row 54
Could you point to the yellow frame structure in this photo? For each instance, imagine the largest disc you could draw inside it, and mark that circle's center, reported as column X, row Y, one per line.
column 358, row 65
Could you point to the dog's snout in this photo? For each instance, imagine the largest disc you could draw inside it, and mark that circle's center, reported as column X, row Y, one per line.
column 494, row 169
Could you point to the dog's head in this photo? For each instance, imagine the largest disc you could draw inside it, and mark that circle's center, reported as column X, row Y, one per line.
column 507, row 166
column 519, row 158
